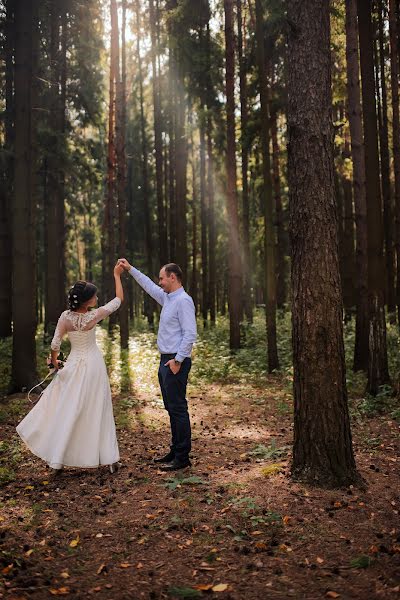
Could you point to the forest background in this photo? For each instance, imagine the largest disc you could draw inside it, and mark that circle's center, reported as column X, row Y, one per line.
column 257, row 144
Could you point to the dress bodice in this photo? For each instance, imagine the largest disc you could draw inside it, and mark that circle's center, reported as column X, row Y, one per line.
column 81, row 326
column 82, row 342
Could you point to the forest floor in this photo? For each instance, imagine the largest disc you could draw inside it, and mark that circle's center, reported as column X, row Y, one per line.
column 234, row 526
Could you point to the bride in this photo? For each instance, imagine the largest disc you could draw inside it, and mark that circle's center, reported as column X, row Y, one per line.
column 73, row 424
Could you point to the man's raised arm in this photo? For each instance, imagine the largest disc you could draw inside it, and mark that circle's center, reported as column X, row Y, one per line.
column 145, row 282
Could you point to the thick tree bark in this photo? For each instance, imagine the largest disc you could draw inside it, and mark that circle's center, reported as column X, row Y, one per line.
column 149, row 303
column 23, row 207
column 267, row 199
column 359, row 179
column 378, row 373
column 385, row 167
column 162, row 232
column 234, row 250
column 394, row 16
column 247, row 296
column 7, row 179
column 121, row 174
column 322, row 452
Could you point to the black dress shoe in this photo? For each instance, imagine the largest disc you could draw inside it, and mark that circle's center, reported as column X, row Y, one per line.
column 165, row 459
column 176, row 465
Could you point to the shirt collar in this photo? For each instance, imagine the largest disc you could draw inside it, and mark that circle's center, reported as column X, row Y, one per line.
column 176, row 292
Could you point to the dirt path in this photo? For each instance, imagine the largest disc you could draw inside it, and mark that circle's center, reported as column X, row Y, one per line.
column 232, row 527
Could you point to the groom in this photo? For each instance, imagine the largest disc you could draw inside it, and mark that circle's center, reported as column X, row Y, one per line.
column 177, row 333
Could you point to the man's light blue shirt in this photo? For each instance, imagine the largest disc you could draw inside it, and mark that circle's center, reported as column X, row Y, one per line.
column 177, row 330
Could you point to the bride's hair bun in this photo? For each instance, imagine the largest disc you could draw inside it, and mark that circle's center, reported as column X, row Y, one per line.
column 81, row 292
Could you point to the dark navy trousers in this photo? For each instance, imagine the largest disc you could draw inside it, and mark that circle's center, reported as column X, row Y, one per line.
column 173, row 390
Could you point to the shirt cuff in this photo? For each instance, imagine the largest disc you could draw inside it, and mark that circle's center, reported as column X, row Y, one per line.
column 180, row 358
column 133, row 271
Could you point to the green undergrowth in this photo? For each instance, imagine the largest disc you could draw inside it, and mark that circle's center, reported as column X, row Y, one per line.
column 132, row 371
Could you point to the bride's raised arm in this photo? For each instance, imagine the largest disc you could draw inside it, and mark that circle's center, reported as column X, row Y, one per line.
column 104, row 311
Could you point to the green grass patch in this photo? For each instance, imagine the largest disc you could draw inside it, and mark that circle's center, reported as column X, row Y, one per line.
column 176, row 482
column 268, row 452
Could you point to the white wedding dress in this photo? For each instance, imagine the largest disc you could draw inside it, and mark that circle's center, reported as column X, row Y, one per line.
column 73, row 424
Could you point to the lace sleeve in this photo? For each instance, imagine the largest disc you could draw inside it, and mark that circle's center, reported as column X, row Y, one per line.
column 104, row 311
column 59, row 333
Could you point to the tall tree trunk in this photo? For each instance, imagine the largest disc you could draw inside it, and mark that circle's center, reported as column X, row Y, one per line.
column 54, row 207
column 394, row 32
column 348, row 239
column 359, row 179
column 378, row 373
column 204, row 228
column 149, row 304
column 6, row 186
column 23, row 207
column 121, row 175
column 181, row 177
column 234, row 250
column 281, row 269
column 62, row 120
column 385, row 168
column 211, row 225
column 322, row 452
column 162, row 233
column 247, row 296
column 108, row 237
column 270, row 270
column 194, row 278
column 172, row 152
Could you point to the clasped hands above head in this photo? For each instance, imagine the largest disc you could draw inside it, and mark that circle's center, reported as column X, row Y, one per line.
column 124, row 263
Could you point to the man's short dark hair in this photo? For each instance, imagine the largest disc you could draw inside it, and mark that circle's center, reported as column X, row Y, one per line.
column 173, row 268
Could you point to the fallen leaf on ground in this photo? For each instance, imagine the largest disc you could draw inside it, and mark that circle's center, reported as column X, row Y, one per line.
column 75, row 542
column 204, row 587
column 7, row 569
column 286, row 519
column 220, row 587
column 102, row 567
column 62, row 591
column 261, row 545
column 332, row 595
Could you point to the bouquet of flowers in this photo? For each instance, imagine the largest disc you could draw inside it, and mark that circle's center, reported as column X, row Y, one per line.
column 60, row 359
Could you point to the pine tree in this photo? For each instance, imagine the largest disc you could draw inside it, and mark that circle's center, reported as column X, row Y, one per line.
column 377, row 360
column 23, row 207
column 359, row 178
column 322, row 452
column 234, row 250
column 267, row 200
